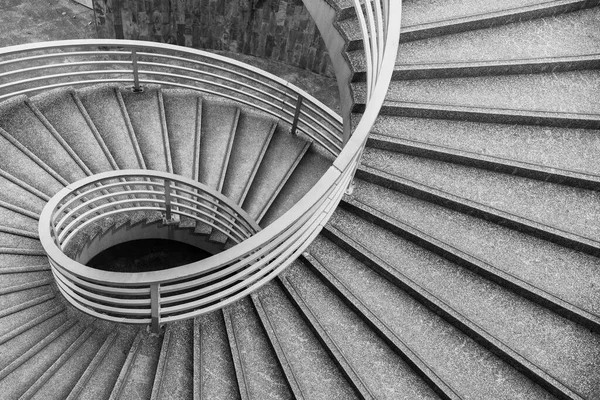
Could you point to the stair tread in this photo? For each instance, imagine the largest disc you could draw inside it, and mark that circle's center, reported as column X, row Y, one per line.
column 61, row 110
column 311, row 168
column 20, row 166
column 317, row 376
column 145, row 114
column 19, row 380
column 17, row 220
column 176, row 376
column 381, row 372
column 17, row 195
column 533, row 200
column 562, row 148
column 472, row 372
column 567, row 274
column 14, row 240
column 219, row 121
column 431, row 11
column 101, row 383
column 181, row 110
column 105, row 112
column 573, row 92
column 214, row 375
column 26, row 327
column 22, row 123
column 280, row 157
column 262, row 375
column 544, row 37
column 252, row 136
column 64, row 379
column 566, row 351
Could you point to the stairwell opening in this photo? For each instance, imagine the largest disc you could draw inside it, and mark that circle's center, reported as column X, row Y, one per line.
column 147, row 255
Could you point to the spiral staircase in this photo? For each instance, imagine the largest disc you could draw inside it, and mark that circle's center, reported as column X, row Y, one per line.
column 462, row 263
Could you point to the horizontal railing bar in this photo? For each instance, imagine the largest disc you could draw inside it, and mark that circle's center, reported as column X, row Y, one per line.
column 70, row 65
column 63, row 55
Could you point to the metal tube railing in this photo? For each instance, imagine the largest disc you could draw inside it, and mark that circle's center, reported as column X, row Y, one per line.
column 156, row 297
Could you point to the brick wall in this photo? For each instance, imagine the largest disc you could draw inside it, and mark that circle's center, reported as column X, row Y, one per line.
column 280, row 30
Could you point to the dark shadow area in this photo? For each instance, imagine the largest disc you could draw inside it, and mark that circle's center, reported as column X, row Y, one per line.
column 147, row 255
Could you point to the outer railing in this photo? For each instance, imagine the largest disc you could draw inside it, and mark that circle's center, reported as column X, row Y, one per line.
column 31, row 68
column 182, row 292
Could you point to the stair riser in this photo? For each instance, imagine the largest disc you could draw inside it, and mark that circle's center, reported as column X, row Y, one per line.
column 561, row 178
column 425, row 31
column 506, row 117
column 479, row 213
column 535, row 295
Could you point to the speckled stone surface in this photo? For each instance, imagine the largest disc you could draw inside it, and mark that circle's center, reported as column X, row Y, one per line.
column 13, row 320
column 219, row 121
column 181, row 110
column 305, row 176
column 264, row 378
column 570, row 149
column 144, row 112
column 317, row 375
column 416, row 12
column 251, row 140
column 176, row 379
column 567, row 92
column 464, row 365
column 560, row 347
column 23, row 124
column 568, row 274
column 573, row 33
column 280, row 156
column 14, row 385
column 384, row 374
column 103, row 108
column 62, row 382
column 55, row 105
column 139, row 381
column 570, row 209
column 103, row 379
column 215, row 365
column 17, row 220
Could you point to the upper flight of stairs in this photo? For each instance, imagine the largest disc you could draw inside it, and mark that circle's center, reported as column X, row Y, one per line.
column 464, row 265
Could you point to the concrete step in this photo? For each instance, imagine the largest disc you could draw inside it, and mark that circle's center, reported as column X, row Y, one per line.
column 558, row 354
column 67, row 115
column 26, row 124
column 423, row 339
column 315, row 377
column 137, row 374
column 24, row 328
column 24, row 166
column 58, row 379
column 15, row 217
column 98, row 381
column 512, row 44
column 183, row 111
column 20, row 194
column 283, row 155
column 174, row 373
column 258, row 373
column 146, row 112
column 536, row 207
column 560, row 155
column 558, row 278
column 213, row 368
column 563, row 93
column 368, row 363
column 310, row 169
column 10, row 237
column 219, row 125
column 104, row 107
column 23, row 372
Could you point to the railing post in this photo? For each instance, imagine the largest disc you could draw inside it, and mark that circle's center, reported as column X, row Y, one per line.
column 136, row 78
column 168, row 199
column 297, row 114
column 155, row 307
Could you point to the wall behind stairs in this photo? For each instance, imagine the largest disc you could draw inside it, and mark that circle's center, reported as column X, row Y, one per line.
column 280, row 30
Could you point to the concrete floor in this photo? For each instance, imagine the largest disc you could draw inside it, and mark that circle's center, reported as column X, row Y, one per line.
column 28, row 21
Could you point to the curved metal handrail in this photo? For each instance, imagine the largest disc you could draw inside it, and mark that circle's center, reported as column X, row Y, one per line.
column 185, row 291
